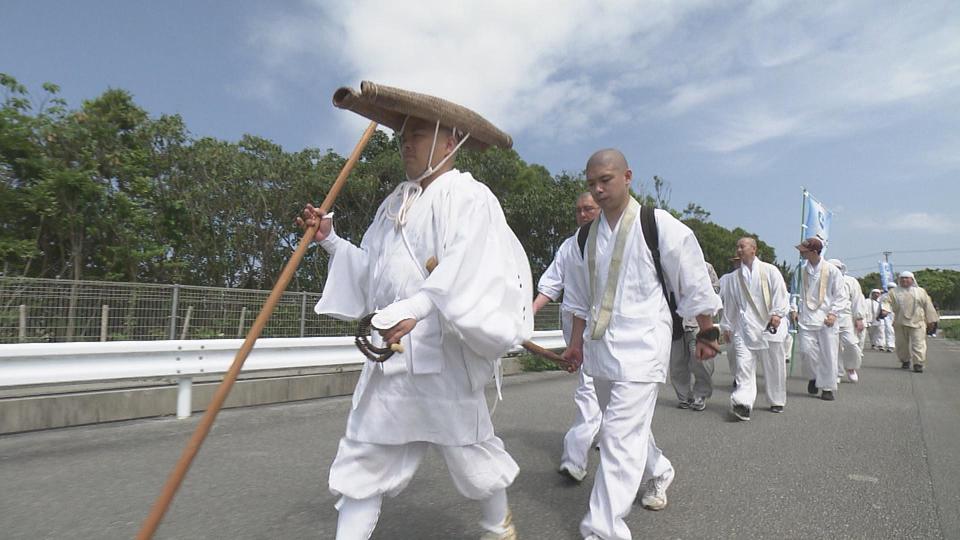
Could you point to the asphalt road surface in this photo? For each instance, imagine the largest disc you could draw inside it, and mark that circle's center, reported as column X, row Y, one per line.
column 882, row 461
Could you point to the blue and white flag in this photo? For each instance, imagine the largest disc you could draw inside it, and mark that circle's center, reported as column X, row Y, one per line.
column 816, row 219
column 886, row 275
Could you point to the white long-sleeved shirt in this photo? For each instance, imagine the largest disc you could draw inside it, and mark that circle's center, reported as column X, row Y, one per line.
column 636, row 344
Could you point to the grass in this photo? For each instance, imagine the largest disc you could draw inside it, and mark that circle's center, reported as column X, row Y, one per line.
column 951, row 329
column 531, row 362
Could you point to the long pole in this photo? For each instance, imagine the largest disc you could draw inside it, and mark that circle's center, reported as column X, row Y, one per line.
column 796, row 280
column 179, row 471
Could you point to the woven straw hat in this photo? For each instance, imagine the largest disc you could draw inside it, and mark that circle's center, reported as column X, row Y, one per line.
column 389, row 106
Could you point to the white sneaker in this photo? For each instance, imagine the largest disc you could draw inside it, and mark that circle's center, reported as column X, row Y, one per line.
column 509, row 531
column 852, row 375
column 572, row 471
column 655, row 497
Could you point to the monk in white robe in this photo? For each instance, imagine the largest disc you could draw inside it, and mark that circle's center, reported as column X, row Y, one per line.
column 453, row 325
column 886, row 322
column 579, row 438
column 914, row 317
column 755, row 310
column 850, row 324
column 622, row 330
column 873, row 321
column 823, row 297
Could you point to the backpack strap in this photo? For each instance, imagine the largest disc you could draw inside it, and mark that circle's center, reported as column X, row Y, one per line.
column 582, row 233
column 651, row 235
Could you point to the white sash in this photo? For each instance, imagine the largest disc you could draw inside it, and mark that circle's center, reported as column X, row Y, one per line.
column 764, row 289
column 601, row 318
column 823, row 287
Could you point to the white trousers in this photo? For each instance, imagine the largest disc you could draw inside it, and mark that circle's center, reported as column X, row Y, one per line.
column 363, row 472
column 888, row 338
column 731, row 353
column 774, row 374
column 579, row 438
column 690, row 377
column 876, row 334
column 819, row 350
column 850, row 353
column 628, row 456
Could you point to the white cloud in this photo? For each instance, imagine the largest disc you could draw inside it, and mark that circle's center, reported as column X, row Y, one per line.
column 920, row 222
column 737, row 75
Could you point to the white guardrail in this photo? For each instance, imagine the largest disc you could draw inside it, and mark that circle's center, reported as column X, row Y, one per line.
column 31, row 364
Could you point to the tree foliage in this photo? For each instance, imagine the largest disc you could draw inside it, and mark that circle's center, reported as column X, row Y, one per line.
column 106, row 191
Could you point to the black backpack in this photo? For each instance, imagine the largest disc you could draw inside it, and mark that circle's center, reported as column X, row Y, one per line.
column 648, row 224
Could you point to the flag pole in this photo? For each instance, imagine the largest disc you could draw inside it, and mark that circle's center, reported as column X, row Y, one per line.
column 796, row 279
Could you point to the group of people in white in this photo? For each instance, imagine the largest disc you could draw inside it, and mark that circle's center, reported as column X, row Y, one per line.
column 638, row 299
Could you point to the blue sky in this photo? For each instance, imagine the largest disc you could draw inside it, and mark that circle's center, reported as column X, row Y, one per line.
column 737, row 104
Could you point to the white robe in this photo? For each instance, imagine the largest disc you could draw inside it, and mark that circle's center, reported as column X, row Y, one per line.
column 753, row 344
column 480, row 294
column 819, row 344
column 636, row 344
column 631, row 356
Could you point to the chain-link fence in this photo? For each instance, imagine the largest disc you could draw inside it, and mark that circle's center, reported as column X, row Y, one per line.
column 52, row 310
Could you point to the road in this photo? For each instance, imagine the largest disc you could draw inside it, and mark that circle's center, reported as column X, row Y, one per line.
column 880, row 462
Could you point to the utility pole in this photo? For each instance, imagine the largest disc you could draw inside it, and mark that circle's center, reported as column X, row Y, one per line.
column 886, row 256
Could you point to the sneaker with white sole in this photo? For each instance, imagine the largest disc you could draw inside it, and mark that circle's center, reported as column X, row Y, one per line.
column 698, row 404
column 741, row 412
column 655, row 496
column 852, row 375
column 572, row 472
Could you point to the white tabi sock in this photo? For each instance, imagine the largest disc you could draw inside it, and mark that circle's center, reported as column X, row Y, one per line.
column 494, row 509
column 358, row 517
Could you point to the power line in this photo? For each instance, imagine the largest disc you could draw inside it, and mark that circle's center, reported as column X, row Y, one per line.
column 894, row 251
column 929, row 265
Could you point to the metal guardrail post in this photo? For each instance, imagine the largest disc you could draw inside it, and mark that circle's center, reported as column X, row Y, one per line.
column 243, row 315
column 303, row 313
column 186, row 323
column 172, row 334
column 104, row 319
column 23, row 323
column 184, row 397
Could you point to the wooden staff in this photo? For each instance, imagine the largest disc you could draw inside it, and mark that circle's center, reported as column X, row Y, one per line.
column 162, row 503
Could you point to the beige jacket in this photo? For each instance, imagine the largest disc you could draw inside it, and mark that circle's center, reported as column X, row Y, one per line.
column 912, row 307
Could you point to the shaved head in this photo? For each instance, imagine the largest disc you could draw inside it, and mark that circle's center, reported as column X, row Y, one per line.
column 608, row 157
column 608, row 179
column 584, row 196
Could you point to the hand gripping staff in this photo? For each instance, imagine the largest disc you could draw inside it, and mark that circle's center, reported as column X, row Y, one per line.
column 179, row 471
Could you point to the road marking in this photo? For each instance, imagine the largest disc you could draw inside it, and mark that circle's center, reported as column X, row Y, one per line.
column 863, row 478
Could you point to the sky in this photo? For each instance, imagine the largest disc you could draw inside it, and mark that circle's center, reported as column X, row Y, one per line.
column 738, row 105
